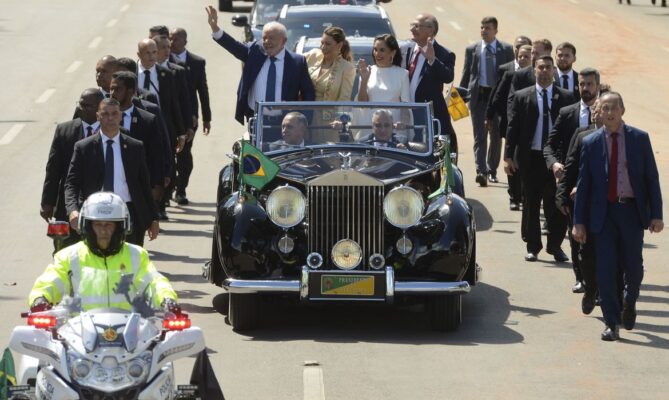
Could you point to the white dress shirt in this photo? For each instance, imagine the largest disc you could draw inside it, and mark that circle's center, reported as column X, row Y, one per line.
column 538, row 133
column 94, row 127
column 583, row 115
column 570, row 79
column 415, row 80
column 154, row 87
column 483, row 75
column 259, row 89
column 120, row 183
column 182, row 56
column 127, row 118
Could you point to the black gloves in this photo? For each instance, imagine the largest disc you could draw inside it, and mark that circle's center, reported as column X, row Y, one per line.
column 40, row 304
column 170, row 305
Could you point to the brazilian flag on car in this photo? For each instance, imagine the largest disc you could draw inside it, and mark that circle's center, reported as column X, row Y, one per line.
column 255, row 169
column 7, row 374
column 447, row 177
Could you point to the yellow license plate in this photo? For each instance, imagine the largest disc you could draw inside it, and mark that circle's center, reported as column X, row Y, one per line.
column 351, row 285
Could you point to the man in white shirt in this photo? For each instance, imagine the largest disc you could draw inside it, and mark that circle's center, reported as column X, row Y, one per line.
column 566, row 77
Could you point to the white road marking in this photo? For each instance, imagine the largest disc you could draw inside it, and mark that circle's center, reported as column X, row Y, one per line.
column 600, row 15
column 11, row 134
column 95, row 42
column 573, row 1
column 314, row 389
column 45, row 96
column 455, row 25
column 73, row 67
column 112, row 23
column 665, row 49
column 125, row 7
column 627, row 28
column 439, row 9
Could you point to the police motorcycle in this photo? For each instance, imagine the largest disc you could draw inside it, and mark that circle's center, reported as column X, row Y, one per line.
column 105, row 353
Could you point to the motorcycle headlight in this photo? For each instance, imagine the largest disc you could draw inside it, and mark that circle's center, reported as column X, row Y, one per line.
column 403, row 207
column 286, row 206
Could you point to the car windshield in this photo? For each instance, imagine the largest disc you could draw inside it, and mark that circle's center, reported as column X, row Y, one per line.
column 268, row 10
column 401, row 127
column 314, row 27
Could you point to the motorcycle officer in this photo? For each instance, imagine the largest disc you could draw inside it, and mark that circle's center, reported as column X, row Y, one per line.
column 103, row 270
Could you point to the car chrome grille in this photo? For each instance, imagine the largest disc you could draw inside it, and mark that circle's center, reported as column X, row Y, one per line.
column 345, row 205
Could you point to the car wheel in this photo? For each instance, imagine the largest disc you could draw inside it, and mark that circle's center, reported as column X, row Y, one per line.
column 445, row 312
column 471, row 274
column 216, row 272
column 225, row 5
column 244, row 312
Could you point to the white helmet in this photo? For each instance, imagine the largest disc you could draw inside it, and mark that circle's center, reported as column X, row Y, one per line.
column 104, row 206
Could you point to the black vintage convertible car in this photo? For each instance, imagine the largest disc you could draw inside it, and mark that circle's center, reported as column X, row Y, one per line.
column 357, row 202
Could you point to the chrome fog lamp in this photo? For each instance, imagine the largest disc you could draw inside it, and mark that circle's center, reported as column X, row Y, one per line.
column 377, row 261
column 346, row 254
column 81, row 368
column 314, row 260
column 137, row 368
column 404, row 245
column 286, row 206
column 286, row 244
column 403, row 207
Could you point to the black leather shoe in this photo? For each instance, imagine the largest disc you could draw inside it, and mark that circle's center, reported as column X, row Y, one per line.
column 481, row 180
column 493, row 178
column 162, row 215
column 181, row 199
column 513, row 206
column 558, row 254
column 610, row 334
column 578, row 287
column 587, row 303
column 531, row 257
column 629, row 317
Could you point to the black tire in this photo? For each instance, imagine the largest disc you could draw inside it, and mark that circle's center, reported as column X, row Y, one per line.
column 471, row 274
column 225, row 5
column 445, row 312
column 244, row 312
column 216, row 272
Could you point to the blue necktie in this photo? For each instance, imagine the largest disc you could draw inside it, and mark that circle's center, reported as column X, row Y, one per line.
column 109, row 168
column 271, row 81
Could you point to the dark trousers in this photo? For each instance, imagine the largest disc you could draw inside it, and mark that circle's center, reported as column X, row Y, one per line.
column 487, row 154
column 136, row 236
column 538, row 183
column 515, row 188
column 619, row 245
column 184, row 168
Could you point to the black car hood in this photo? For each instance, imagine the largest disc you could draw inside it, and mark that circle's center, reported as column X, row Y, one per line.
column 299, row 167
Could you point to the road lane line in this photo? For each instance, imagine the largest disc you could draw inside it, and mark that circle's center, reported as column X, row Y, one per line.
column 95, row 42
column 455, row 25
column 627, row 28
column 439, row 9
column 312, row 378
column 600, row 15
column 11, row 134
column 73, row 67
column 573, row 1
column 45, row 96
column 112, row 23
column 125, row 7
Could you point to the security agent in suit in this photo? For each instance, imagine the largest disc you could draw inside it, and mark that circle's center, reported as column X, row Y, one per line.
column 478, row 75
column 128, row 64
column 294, row 129
column 112, row 161
column 66, row 135
column 533, row 112
column 382, row 131
column 430, row 66
column 565, row 76
column 571, row 118
column 618, row 196
column 263, row 63
column 524, row 77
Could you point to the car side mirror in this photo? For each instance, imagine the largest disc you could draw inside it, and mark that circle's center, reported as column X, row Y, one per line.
column 436, row 127
column 240, row 20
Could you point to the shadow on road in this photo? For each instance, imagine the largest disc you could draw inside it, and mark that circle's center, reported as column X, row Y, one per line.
column 160, row 256
column 483, row 218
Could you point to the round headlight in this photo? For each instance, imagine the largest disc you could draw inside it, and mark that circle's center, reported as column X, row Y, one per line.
column 81, row 368
column 285, row 206
column 346, row 254
column 136, row 369
column 403, row 207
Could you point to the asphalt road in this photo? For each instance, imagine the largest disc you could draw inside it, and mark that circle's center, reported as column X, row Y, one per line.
column 523, row 334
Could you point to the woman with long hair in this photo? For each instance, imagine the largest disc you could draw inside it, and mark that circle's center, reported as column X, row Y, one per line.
column 386, row 80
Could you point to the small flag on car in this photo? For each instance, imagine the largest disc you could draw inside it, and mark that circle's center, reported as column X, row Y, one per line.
column 447, row 178
column 7, row 374
column 255, row 169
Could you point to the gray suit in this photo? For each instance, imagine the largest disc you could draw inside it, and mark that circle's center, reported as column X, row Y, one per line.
column 479, row 100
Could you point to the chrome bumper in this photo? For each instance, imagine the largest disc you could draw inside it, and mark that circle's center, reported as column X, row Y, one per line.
column 392, row 287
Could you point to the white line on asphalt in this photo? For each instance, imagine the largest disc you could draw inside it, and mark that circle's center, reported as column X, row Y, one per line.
column 125, row 7
column 45, row 96
column 313, row 383
column 11, row 134
column 95, row 42
column 600, row 15
column 73, row 67
column 573, row 1
column 627, row 28
column 112, row 23
column 439, row 9
column 455, row 25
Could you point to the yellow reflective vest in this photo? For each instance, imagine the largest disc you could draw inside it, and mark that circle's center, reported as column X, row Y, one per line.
column 77, row 271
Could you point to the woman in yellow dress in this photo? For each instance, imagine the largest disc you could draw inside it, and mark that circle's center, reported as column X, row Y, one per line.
column 332, row 73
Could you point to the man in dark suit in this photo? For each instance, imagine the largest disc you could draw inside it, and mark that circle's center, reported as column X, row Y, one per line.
column 104, row 69
column 112, row 161
column 293, row 132
column 478, row 75
column 618, row 196
column 533, row 113
column 62, row 147
column 524, row 77
column 565, row 76
column 571, row 117
column 382, row 131
column 430, row 66
column 128, row 64
column 497, row 105
column 262, row 79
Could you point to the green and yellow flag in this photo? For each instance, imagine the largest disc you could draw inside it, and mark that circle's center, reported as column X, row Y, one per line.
column 447, row 177
column 7, row 374
column 255, row 169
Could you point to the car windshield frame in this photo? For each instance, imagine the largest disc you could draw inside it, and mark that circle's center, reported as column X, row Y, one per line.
column 354, row 25
column 275, row 111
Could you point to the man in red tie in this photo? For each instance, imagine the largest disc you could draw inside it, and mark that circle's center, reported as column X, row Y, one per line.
column 618, row 196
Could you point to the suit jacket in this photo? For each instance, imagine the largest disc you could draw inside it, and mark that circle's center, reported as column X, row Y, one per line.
column 87, row 172
column 337, row 83
column 592, row 189
column 568, row 182
column 168, row 155
column 523, row 122
column 144, row 127
column 470, row 72
column 62, row 147
column 574, row 75
column 146, row 95
column 169, row 103
column 557, row 145
column 295, row 83
column 431, row 84
column 369, row 139
column 497, row 102
column 182, row 81
column 195, row 66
